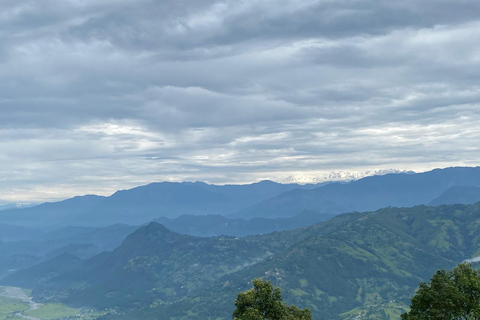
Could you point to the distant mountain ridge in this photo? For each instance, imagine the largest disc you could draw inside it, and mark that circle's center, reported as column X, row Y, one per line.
column 458, row 195
column 265, row 199
column 371, row 193
column 15, row 205
column 145, row 203
column 33, row 247
column 339, row 176
column 215, row 225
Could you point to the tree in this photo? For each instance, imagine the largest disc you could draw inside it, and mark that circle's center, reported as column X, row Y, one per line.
column 450, row 295
column 264, row 302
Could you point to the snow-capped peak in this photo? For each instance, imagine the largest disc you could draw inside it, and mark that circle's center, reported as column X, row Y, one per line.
column 338, row 176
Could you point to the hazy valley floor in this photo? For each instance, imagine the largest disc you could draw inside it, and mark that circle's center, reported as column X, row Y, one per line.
column 17, row 304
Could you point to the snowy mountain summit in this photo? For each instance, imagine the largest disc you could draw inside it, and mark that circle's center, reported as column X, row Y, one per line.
column 344, row 176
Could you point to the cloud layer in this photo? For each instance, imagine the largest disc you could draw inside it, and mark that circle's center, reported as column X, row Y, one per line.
column 101, row 95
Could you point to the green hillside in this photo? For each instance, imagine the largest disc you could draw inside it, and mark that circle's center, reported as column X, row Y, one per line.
column 153, row 266
column 359, row 264
column 363, row 265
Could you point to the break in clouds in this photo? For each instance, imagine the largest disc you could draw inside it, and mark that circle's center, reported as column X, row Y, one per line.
column 102, row 95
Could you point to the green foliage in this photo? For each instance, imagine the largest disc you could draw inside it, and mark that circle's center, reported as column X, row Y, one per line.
column 52, row 312
column 360, row 261
column 264, row 302
column 450, row 295
column 10, row 307
column 353, row 265
column 153, row 267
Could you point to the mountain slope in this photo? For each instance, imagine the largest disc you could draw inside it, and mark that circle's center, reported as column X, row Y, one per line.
column 336, row 268
column 215, row 225
column 458, row 195
column 339, row 267
column 371, row 193
column 40, row 273
column 80, row 241
column 16, row 233
column 52, row 214
column 143, row 204
column 250, row 194
column 154, row 266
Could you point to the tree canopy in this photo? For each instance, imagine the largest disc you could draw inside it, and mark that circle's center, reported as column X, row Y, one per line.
column 264, row 302
column 450, row 295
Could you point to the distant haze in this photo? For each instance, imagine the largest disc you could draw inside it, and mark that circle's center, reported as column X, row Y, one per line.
column 97, row 96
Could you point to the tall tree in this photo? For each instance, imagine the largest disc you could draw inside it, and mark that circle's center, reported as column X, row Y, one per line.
column 450, row 295
column 264, row 302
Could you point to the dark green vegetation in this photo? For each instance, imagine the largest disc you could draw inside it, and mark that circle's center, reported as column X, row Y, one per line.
column 85, row 242
column 358, row 265
column 264, row 302
column 355, row 264
column 358, row 260
column 153, row 266
column 450, row 295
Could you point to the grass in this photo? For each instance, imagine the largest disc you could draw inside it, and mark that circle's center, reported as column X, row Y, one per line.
column 10, row 308
column 53, row 311
column 381, row 311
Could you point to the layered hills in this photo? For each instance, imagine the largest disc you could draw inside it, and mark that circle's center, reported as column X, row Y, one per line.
column 152, row 266
column 371, row 193
column 339, row 268
column 214, row 225
column 265, row 199
column 458, row 195
column 142, row 204
column 37, row 247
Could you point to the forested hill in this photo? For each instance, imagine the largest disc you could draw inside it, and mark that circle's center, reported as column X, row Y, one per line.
column 336, row 268
column 356, row 260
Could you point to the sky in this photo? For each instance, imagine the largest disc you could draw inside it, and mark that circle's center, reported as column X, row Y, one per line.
column 97, row 96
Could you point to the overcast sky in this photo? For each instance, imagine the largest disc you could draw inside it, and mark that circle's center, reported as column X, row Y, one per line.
column 103, row 95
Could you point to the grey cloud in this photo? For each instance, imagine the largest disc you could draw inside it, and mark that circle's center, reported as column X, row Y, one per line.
column 97, row 96
column 186, row 24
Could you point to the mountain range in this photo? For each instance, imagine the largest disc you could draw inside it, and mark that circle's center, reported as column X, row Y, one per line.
column 142, row 204
column 207, row 243
column 215, row 225
column 352, row 264
column 339, row 176
column 264, row 199
column 371, row 193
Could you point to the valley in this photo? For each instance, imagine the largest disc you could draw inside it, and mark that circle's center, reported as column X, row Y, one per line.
column 16, row 304
column 239, row 160
column 356, row 265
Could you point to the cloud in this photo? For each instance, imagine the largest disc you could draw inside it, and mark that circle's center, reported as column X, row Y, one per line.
column 98, row 96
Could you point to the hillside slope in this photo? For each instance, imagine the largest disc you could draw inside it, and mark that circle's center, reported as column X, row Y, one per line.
column 339, row 267
column 153, row 265
column 142, row 204
column 458, row 195
column 367, row 194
